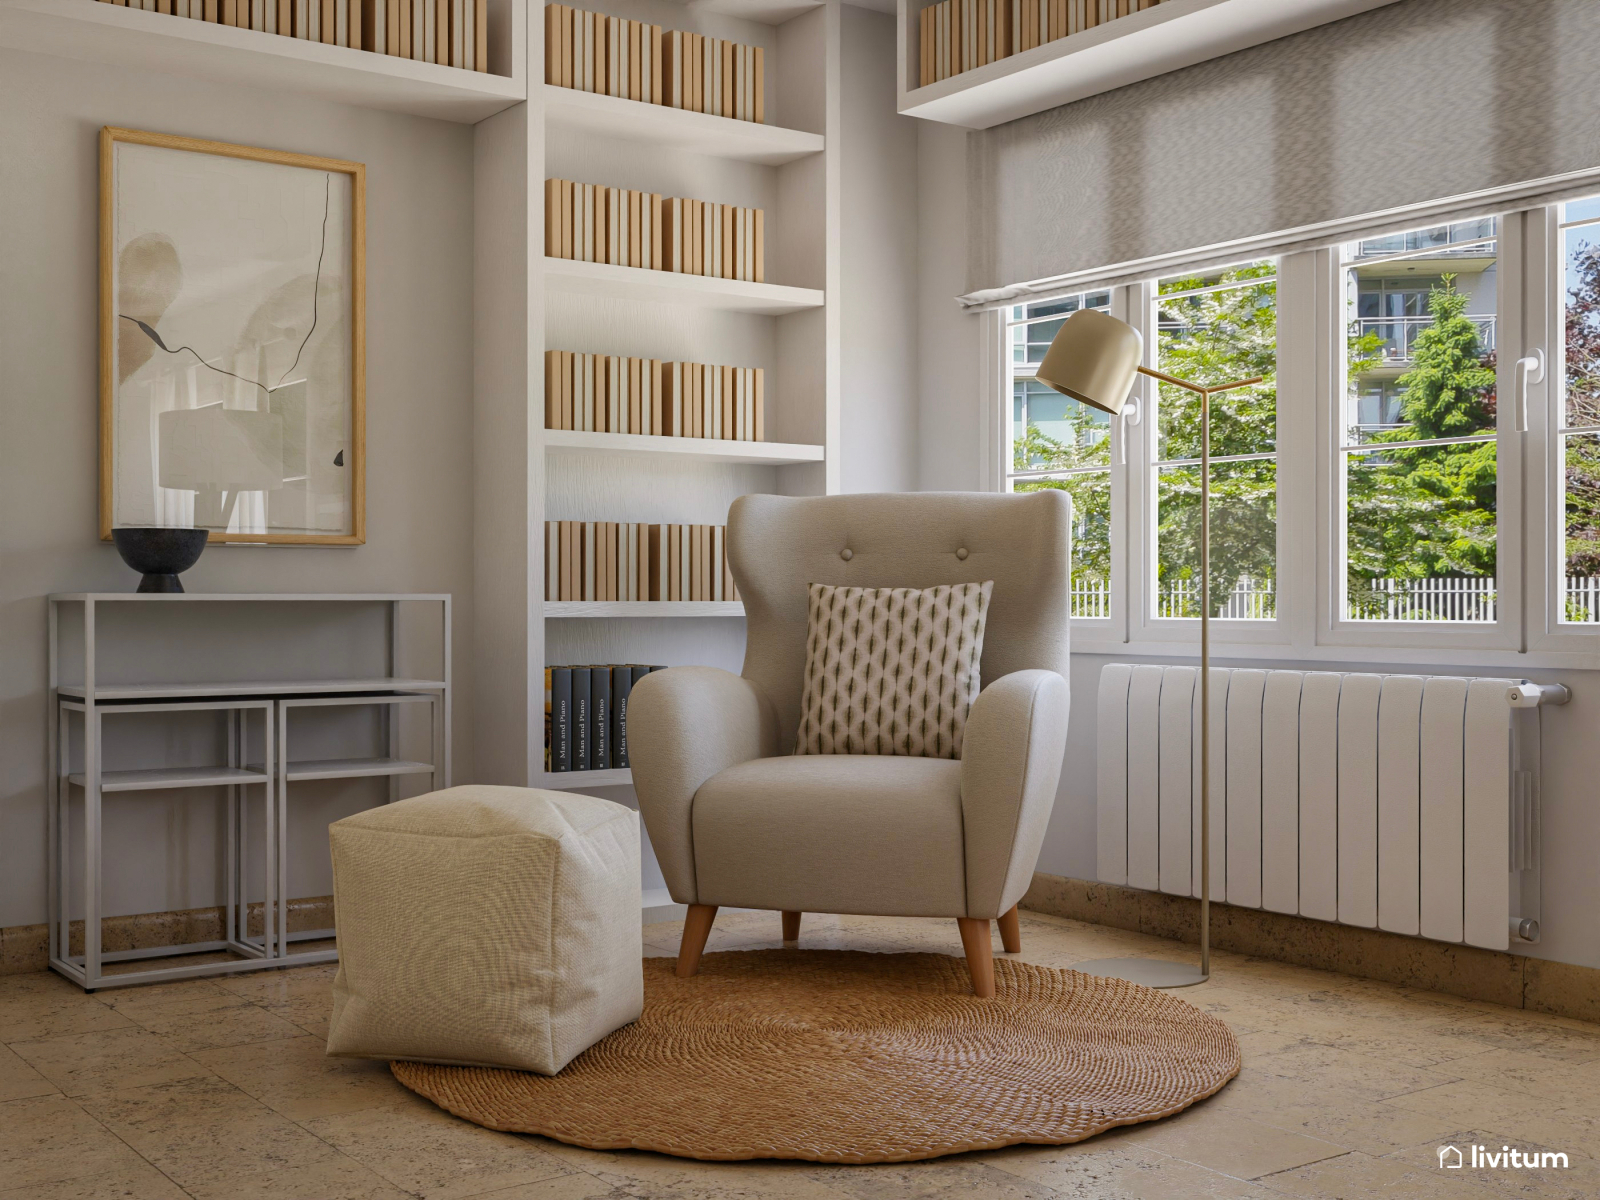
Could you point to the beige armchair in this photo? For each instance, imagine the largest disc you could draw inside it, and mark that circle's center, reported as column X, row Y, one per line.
column 737, row 819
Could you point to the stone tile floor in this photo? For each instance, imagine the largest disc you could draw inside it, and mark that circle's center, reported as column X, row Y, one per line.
column 219, row 1088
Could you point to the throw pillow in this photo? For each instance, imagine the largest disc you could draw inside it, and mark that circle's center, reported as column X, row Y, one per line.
column 891, row 670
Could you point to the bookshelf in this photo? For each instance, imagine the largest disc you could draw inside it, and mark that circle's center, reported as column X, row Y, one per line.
column 788, row 326
column 1141, row 45
column 131, row 37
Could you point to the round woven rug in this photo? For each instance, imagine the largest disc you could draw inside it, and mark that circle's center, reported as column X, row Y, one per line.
column 850, row 1057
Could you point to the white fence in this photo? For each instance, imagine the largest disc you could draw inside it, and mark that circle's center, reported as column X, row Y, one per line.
column 1442, row 599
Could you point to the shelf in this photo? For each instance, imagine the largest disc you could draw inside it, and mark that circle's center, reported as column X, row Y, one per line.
column 269, row 687
column 130, row 37
column 255, row 597
column 352, row 768
column 559, row 781
column 678, row 128
column 171, row 777
column 1174, row 34
column 671, row 287
column 689, row 449
column 578, row 609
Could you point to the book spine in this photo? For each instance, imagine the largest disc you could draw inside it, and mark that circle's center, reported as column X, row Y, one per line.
column 549, row 713
column 582, row 752
column 600, row 718
column 561, row 718
column 621, row 686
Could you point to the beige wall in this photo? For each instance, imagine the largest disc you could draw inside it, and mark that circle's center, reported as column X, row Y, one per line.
column 419, row 447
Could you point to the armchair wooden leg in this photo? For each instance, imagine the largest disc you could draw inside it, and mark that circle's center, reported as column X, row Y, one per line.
column 791, row 926
column 696, row 929
column 980, row 955
column 1011, row 931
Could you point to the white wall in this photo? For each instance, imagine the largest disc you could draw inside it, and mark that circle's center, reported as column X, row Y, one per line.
column 878, row 400
column 419, row 450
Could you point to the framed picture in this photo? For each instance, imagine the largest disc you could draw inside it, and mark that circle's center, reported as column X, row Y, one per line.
column 232, row 340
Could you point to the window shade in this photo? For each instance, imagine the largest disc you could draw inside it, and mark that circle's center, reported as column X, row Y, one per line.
column 1467, row 106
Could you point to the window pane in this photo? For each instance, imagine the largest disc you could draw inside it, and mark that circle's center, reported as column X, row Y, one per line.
column 1581, row 294
column 1244, row 541
column 1091, row 538
column 1050, row 430
column 1420, row 529
column 1216, row 337
column 1581, row 554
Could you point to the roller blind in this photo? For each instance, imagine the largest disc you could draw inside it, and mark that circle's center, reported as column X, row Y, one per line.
column 1466, row 106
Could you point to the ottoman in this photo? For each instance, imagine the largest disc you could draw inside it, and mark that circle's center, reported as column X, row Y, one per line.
column 486, row 926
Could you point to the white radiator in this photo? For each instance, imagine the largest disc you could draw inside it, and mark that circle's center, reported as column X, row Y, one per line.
column 1399, row 802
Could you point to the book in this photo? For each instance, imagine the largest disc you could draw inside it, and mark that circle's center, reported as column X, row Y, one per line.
column 600, row 718
column 561, row 719
column 621, row 687
column 582, row 722
column 549, row 710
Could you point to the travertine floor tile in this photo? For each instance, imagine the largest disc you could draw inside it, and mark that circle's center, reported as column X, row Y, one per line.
column 189, row 1025
column 51, row 1139
column 1361, row 1175
column 1105, row 1170
column 1579, row 1180
column 27, row 1014
column 82, row 1063
column 137, row 1181
column 296, row 1079
column 18, row 1080
column 1225, row 1141
column 424, row 1150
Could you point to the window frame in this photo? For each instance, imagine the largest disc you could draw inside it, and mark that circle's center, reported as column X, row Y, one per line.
column 1310, row 625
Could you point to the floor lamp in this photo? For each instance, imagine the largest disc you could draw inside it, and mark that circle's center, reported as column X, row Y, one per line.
column 1094, row 358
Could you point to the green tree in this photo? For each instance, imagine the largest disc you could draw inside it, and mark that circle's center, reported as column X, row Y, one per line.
column 1425, row 512
column 1582, row 451
column 1209, row 338
column 1089, row 446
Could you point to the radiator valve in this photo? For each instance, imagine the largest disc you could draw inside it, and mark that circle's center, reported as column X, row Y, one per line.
column 1532, row 695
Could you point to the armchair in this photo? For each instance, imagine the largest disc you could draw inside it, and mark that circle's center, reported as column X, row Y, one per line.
column 737, row 819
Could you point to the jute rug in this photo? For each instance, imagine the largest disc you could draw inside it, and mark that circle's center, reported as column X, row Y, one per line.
column 848, row 1057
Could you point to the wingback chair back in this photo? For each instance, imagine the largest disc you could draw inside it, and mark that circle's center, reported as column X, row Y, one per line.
column 778, row 545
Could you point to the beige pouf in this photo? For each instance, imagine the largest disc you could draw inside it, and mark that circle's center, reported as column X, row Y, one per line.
column 486, row 926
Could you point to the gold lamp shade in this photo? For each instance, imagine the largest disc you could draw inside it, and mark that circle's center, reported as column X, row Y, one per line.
column 1094, row 359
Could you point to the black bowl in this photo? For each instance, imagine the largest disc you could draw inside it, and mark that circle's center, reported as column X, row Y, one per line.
column 160, row 554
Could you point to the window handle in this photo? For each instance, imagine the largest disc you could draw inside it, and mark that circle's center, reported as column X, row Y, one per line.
column 1129, row 416
column 1530, row 369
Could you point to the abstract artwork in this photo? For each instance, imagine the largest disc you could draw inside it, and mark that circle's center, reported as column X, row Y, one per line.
column 232, row 347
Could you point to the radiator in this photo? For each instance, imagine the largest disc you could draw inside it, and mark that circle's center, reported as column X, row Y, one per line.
column 1399, row 802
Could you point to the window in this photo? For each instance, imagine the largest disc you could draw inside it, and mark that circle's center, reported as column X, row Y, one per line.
column 1578, row 429
column 1418, row 439
column 1058, row 443
column 1371, row 491
column 1213, row 329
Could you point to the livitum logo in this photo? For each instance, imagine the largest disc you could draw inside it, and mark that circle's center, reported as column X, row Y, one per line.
column 1506, row 1158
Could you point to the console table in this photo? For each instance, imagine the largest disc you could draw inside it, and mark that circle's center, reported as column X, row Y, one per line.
column 95, row 639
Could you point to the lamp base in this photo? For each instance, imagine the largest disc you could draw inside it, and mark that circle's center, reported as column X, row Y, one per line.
column 1151, row 972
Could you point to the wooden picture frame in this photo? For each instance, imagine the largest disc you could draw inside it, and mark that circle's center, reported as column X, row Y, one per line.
column 217, row 252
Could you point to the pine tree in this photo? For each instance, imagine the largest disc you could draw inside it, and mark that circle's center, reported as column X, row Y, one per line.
column 1429, row 511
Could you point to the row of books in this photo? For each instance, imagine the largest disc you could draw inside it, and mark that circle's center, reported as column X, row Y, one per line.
column 592, row 222
column 619, row 560
column 452, row 33
column 960, row 35
column 586, row 716
column 614, row 56
column 608, row 393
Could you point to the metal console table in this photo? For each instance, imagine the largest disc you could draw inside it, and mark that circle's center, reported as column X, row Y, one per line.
column 271, row 766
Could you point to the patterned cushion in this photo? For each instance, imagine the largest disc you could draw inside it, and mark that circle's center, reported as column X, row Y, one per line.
column 891, row 670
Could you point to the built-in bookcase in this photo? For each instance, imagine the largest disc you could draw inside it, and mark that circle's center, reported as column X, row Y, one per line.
column 785, row 325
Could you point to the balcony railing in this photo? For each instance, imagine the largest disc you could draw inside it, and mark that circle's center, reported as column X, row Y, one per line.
column 1464, row 238
column 1399, row 335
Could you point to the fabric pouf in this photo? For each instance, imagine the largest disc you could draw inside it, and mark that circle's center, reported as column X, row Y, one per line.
column 486, row 926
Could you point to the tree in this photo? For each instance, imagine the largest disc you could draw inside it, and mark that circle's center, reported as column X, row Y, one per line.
column 1091, row 491
column 1423, row 512
column 1582, row 452
column 1209, row 338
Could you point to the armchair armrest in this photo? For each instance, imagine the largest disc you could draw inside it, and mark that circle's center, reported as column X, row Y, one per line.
column 685, row 725
column 1011, row 756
